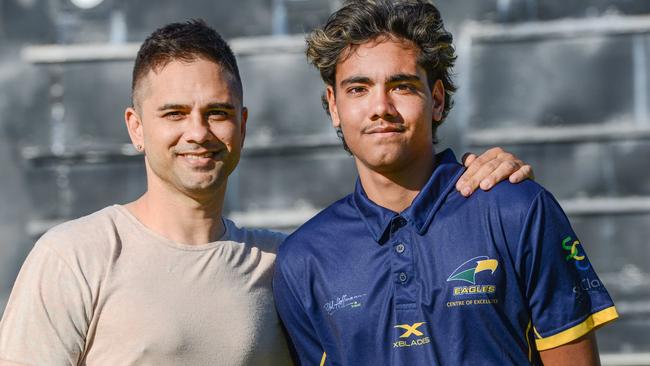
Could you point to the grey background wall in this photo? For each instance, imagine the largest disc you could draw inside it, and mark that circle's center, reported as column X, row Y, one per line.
column 562, row 84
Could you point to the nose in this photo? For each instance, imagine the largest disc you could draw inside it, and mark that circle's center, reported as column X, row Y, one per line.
column 382, row 105
column 198, row 129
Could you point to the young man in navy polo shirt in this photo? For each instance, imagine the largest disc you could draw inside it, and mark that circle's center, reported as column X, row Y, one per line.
column 405, row 270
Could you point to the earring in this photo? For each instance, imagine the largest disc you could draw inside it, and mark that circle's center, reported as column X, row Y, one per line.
column 138, row 147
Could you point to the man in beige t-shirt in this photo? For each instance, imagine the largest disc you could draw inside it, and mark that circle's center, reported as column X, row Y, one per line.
column 165, row 280
column 106, row 290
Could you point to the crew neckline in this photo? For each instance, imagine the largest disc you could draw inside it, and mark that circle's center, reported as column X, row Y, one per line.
column 170, row 243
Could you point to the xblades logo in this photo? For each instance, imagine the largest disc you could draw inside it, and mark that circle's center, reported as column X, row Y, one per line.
column 411, row 331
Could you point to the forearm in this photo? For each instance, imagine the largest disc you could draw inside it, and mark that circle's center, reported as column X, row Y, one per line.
column 581, row 352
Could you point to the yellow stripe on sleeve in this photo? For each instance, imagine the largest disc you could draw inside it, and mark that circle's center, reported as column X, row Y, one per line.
column 322, row 360
column 593, row 321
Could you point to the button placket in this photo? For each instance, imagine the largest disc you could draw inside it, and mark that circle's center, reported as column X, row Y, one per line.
column 402, row 262
column 403, row 277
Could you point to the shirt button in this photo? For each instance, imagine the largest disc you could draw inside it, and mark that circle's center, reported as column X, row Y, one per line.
column 402, row 277
column 400, row 248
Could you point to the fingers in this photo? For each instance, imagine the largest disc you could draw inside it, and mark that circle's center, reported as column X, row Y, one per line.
column 491, row 167
column 468, row 158
column 469, row 181
column 524, row 172
column 474, row 163
column 494, row 172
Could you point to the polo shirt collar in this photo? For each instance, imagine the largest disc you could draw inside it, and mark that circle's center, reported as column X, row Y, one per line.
column 424, row 206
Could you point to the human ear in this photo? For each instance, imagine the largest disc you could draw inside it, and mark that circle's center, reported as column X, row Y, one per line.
column 438, row 96
column 331, row 105
column 135, row 128
column 244, row 118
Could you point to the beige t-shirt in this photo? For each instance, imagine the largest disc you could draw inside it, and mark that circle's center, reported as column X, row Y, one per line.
column 105, row 290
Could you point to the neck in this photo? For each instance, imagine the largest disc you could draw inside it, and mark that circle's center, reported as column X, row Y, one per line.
column 396, row 189
column 181, row 218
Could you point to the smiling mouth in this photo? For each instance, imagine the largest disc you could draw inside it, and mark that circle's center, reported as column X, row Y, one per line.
column 193, row 156
column 200, row 159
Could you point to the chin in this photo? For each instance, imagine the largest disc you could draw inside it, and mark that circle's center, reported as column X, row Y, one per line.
column 205, row 185
column 384, row 165
column 383, row 157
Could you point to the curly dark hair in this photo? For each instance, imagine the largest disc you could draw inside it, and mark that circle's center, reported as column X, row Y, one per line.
column 185, row 42
column 362, row 21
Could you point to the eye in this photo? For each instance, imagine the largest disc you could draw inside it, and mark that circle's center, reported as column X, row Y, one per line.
column 217, row 114
column 174, row 115
column 356, row 90
column 407, row 88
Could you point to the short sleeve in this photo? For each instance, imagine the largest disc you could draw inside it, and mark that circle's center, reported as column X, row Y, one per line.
column 565, row 296
column 47, row 315
column 305, row 346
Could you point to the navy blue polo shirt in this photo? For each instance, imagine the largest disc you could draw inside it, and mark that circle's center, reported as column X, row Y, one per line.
column 487, row 280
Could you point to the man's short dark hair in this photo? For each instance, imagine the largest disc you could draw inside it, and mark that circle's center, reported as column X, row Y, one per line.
column 362, row 21
column 184, row 42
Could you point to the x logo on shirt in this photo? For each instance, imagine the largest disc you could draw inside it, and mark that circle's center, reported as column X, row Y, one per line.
column 410, row 329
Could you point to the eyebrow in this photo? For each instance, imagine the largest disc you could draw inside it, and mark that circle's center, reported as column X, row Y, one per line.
column 356, row 80
column 169, row 106
column 220, row 106
column 392, row 79
column 403, row 77
column 173, row 106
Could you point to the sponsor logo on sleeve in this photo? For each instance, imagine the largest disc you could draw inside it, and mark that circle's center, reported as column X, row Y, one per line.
column 588, row 285
column 585, row 288
column 576, row 253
